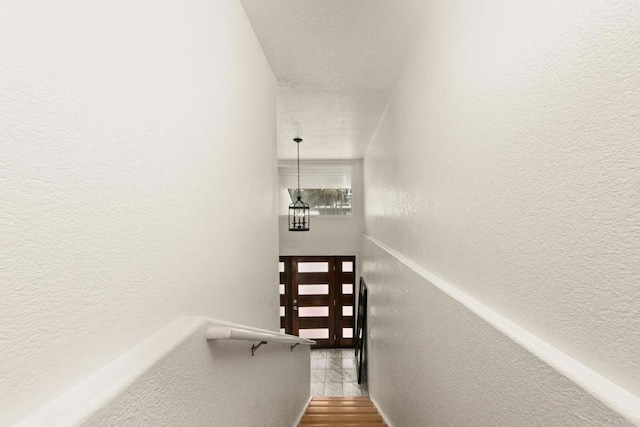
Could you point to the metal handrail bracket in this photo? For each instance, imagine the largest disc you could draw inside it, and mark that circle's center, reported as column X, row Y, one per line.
column 255, row 347
column 229, row 331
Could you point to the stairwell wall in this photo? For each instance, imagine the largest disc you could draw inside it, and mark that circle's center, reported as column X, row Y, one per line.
column 138, row 184
column 506, row 165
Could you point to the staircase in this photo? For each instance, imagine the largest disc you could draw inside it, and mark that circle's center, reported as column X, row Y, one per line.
column 341, row 411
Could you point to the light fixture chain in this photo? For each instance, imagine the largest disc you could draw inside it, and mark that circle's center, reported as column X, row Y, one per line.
column 298, row 146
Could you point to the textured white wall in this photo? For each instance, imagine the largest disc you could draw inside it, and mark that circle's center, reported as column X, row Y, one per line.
column 216, row 384
column 507, row 163
column 433, row 362
column 329, row 235
column 178, row 378
column 133, row 135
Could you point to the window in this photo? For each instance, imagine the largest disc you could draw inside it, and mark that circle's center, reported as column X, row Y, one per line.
column 325, row 186
column 325, row 201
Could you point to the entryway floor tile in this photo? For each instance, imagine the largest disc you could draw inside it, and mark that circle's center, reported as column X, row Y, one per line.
column 333, row 374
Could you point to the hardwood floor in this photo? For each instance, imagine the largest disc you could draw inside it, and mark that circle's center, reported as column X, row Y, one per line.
column 341, row 411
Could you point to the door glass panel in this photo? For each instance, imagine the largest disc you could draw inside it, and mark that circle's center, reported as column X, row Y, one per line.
column 347, row 310
column 313, row 311
column 281, row 267
column 282, row 311
column 319, row 334
column 313, row 267
column 281, row 289
column 347, row 332
column 347, row 266
column 347, row 289
column 313, row 289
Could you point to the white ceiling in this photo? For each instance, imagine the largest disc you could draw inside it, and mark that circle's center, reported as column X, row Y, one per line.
column 336, row 62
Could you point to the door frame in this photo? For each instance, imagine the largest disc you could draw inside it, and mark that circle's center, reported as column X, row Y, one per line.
column 335, row 298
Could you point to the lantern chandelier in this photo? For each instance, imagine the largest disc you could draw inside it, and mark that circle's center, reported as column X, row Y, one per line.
column 298, row 210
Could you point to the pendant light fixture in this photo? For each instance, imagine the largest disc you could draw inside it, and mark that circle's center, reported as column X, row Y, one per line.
column 298, row 210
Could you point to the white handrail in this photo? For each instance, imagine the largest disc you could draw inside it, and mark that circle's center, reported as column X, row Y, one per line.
column 227, row 333
column 216, row 323
column 232, row 331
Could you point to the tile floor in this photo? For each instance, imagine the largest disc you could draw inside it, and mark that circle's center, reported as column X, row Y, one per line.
column 333, row 373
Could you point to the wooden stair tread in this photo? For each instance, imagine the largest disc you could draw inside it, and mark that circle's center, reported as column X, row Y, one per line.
column 342, row 416
column 343, row 424
column 337, row 403
column 341, row 405
column 355, row 398
column 341, row 411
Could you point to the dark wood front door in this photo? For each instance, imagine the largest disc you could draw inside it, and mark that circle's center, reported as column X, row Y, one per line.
column 316, row 298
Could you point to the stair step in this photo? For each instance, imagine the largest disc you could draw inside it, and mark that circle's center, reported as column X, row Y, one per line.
column 336, row 400
column 341, row 405
column 341, row 416
column 341, row 411
column 344, row 424
column 338, row 403
column 347, row 424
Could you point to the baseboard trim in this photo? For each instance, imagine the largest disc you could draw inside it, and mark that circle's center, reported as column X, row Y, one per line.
column 304, row 409
column 385, row 418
